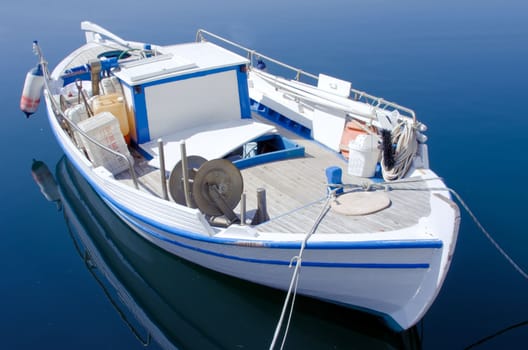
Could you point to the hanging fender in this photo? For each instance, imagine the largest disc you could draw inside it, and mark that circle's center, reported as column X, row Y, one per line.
column 32, row 89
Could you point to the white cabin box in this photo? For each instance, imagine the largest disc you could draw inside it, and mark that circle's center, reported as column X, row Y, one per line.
column 185, row 86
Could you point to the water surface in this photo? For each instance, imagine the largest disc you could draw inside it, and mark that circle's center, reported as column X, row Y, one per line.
column 461, row 65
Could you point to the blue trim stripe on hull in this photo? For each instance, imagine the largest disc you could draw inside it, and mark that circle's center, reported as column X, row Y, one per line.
column 275, row 262
column 417, row 244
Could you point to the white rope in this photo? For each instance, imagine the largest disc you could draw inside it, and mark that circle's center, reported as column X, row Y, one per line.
column 387, row 187
column 294, row 294
column 404, row 137
column 488, row 236
column 479, row 225
column 292, row 290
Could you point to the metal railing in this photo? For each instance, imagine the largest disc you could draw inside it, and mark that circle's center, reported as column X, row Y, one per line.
column 57, row 110
column 358, row 95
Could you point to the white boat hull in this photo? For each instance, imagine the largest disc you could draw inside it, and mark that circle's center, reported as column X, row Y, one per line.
column 392, row 279
column 395, row 274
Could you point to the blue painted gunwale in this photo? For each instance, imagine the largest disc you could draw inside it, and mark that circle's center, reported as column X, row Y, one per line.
column 379, row 244
column 322, row 264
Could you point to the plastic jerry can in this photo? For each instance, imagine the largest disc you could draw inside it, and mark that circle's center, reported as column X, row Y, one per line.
column 115, row 104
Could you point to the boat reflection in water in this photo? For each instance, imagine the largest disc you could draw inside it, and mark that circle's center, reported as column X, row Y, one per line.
column 177, row 304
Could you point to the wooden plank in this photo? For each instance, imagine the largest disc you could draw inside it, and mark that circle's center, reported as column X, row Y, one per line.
column 292, row 184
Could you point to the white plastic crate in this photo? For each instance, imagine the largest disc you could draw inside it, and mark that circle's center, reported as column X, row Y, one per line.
column 104, row 128
column 76, row 114
column 363, row 155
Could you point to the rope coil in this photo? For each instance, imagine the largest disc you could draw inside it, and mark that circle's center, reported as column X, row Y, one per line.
column 403, row 136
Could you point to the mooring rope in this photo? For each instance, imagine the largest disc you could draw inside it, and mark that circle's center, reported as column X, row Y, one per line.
column 386, row 186
column 486, row 233
column 292, row 290
column 496, row 334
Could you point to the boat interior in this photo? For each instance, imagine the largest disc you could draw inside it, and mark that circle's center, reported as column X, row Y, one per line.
column 270, row 169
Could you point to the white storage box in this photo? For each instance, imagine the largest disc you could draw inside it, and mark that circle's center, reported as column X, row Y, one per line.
column 104, row 128
column 76, row 114
column 363, row 155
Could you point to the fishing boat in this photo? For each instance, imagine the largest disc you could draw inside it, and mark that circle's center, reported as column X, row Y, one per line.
column 303, row 184
column 157, row 295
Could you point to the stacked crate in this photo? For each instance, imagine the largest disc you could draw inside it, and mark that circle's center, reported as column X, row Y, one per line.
column 104, row 128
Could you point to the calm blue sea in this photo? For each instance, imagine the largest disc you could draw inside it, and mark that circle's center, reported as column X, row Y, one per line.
column 461, row 65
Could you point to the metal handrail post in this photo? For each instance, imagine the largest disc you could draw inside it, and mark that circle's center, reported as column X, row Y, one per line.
column 162, row 169
column 185, row 173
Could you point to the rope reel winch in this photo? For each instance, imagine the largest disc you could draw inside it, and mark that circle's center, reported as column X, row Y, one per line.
column 215, row 187
column 176, row 187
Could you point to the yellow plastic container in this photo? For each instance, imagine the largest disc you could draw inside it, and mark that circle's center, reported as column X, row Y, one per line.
column 115, row 104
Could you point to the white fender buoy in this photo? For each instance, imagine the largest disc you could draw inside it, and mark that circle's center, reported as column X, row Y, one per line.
column 32, row 89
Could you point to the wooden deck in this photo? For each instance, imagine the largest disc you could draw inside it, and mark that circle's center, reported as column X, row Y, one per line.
column 296, row 191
